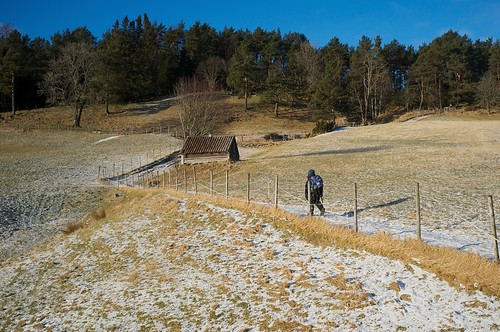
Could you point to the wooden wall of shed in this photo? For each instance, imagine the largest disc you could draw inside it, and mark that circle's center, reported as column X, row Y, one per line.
column 205, row 158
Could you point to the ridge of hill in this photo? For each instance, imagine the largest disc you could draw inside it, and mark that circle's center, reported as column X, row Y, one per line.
column 156, row 260
column 162, row 116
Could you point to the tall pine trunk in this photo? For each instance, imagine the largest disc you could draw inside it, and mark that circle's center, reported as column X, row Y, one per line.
column 422, row 94
column 78, row 115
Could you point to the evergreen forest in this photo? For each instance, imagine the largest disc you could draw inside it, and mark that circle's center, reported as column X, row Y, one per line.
column 138, row 60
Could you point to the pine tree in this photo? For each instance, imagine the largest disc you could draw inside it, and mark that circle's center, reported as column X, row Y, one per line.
column 14, row 76
column 244, row 72
column 171, row 55
column 331, row 93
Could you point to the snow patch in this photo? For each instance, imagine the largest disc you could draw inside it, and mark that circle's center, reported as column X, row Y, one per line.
column 106, row 139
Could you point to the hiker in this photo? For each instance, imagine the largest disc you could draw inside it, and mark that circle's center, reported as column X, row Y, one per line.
column 316, row 185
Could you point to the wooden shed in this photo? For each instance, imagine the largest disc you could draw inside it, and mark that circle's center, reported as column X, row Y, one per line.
column 202, row 149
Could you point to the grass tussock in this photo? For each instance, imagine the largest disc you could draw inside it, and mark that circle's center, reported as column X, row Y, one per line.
column 96, row 216
column 459, row 269
column 99, row 214
column 73, row 226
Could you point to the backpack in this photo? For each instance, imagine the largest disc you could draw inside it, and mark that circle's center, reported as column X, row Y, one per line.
column 317, row 184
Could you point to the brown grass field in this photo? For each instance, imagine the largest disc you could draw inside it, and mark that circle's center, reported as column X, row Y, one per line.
column 454, row 157
column 63, row 231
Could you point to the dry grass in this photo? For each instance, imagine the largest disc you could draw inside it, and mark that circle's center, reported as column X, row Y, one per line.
column 98, row 214
column 146, row 116
column 73, row 226
column 135, row 118
column 455, row 161
column 134, row 255
column 459, row 269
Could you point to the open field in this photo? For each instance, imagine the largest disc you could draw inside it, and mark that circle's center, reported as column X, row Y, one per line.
column 154, row 259
column 455, row 161
column 49, row 178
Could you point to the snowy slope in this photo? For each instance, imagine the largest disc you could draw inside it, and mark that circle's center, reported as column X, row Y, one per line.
column 186, row 265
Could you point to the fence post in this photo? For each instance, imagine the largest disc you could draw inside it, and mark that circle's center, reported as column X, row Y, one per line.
column 211, row 182
column 227, row 184
column 417, row 202
column 185, row 181
column 276, row 192
column 163, row 182
column 355, row 207
column 309, row 199
column 248, row 187
column 493, row 228
column 99, row 172
column 176, row 179
column 195, row 182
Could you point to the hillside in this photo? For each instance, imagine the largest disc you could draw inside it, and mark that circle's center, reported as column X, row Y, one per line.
column 121, row 259
column 162, row 115
column 154, row 260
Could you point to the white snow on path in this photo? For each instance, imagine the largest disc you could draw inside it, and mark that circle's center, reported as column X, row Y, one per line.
column 475, row 240
column 234, row 273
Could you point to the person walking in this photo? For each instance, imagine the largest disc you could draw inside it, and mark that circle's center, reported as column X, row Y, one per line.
column 314, row 192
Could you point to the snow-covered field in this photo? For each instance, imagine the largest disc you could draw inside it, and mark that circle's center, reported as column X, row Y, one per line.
column 184, row 265
column 48, row 179
column 165, row 263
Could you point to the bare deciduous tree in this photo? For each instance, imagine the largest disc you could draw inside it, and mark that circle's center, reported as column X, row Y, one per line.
column 70, row 80
column 369, row 79
column 5, row 30
column 488, row 91
column 309, row 59
column 197, row 113
column 212, row 69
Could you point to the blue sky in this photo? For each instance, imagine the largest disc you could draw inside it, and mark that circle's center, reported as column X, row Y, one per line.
column 410, row 22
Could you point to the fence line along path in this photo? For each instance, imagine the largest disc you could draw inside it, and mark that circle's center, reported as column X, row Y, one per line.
column 154, row 174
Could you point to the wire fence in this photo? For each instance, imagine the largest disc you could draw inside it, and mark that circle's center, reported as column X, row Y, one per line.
column 406, row 206
column 173, row 131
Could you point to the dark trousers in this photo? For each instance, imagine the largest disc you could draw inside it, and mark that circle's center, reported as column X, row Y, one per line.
column 315, row 200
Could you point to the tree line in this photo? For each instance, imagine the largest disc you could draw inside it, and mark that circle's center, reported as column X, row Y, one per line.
column 137, row 60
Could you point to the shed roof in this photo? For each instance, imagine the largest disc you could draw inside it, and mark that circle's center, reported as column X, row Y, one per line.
column 207, row 144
